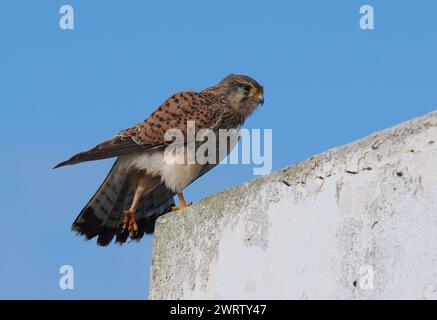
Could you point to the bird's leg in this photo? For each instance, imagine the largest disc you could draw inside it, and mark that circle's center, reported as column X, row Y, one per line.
column 129, row 215
column 182, row 203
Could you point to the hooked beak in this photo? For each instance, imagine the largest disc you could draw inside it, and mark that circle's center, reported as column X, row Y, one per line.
column 260, row 99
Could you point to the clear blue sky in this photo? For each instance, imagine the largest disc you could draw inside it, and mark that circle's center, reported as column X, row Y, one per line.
column 326, row 83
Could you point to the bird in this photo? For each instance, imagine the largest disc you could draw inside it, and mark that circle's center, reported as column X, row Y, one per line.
column 141, row 184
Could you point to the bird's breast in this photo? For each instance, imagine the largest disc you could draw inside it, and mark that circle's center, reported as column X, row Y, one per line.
column 171, row 168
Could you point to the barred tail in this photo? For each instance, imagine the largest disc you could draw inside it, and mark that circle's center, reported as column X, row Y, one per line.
column 103, row 215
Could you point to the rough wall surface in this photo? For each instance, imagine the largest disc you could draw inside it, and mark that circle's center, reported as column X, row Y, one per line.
column 356, row 222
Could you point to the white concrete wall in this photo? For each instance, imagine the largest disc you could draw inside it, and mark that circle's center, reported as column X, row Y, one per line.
column 356, row 222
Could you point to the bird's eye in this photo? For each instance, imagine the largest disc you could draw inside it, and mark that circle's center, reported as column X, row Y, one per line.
column 246, row 88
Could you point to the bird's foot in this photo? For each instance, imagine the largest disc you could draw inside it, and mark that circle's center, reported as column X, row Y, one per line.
column 129, row 223
column 181, row 206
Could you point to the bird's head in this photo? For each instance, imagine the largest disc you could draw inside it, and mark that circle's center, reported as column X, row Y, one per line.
column 242, row 93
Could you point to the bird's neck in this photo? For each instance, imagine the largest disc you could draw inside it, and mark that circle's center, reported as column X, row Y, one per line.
column 221, row 92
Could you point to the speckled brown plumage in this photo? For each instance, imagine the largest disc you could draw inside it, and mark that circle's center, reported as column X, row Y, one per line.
column 203, row 108
column 223, row 106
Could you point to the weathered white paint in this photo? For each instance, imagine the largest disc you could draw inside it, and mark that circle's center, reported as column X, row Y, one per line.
column 356, row 222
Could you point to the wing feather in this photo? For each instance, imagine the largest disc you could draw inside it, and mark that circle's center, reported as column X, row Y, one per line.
column 201, row 107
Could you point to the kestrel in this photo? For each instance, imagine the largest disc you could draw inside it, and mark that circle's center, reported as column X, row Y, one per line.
column 141, row 184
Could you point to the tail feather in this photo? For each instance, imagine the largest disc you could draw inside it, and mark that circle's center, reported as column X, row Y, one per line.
column 103, row 215
column 153, row 205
